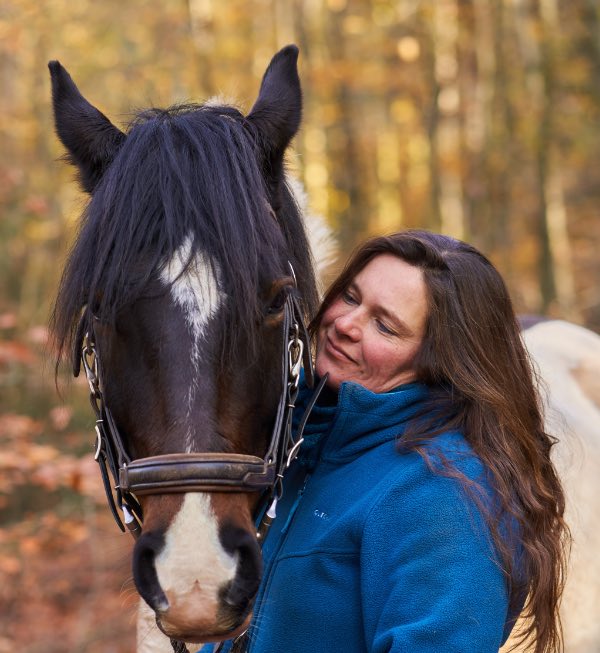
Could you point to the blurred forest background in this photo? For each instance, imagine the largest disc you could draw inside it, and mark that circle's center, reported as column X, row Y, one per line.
column 478, row 118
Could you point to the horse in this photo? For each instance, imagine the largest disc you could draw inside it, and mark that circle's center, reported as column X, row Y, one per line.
column 182, row 297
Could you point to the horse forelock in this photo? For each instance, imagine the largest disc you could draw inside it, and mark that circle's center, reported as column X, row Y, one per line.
column 187, row 180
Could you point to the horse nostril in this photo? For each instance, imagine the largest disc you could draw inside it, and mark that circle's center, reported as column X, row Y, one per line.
column 239, row 593
column 144, row 571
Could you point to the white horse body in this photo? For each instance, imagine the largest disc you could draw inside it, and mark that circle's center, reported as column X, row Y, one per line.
column 567, row 358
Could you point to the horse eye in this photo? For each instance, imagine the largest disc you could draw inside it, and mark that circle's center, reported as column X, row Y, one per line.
column 278, row 302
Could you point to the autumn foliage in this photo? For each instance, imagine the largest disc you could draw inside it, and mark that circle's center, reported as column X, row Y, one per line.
column 479, row 119
column 64, row 567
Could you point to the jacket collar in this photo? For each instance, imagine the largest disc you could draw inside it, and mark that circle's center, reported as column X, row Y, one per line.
column 344, row 426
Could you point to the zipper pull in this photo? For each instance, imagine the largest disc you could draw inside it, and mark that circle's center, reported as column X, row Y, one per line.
column 266, row 521
column 272, row 511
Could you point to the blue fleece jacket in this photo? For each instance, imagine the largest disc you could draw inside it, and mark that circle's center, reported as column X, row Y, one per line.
column 371, row 550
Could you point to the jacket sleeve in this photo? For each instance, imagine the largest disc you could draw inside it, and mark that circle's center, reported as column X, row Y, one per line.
column 430, row 580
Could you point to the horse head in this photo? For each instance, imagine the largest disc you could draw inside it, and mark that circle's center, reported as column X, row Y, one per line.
column 188, row 252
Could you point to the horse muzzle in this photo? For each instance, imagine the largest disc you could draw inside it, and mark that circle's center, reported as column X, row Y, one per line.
column 199, row 576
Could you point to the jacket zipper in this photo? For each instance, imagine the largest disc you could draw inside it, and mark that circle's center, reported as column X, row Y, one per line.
column 267, row 579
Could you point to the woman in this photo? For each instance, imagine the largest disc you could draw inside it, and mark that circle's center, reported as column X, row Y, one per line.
column 423, row 513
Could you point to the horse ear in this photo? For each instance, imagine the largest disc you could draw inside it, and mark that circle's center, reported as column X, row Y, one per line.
column 277, row 112
column 90, row 138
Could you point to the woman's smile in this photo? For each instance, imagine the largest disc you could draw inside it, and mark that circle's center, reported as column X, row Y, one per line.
column 337, row 351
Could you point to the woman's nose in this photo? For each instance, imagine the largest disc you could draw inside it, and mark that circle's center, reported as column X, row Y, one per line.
column 348, row 325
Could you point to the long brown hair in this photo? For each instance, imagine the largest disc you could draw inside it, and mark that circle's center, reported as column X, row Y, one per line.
column 473, row 358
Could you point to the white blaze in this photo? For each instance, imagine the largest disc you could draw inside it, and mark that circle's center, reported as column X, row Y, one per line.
column 196, row 291
column 193, row 564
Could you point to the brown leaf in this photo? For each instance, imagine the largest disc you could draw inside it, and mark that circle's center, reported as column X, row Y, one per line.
column 16, row 352
column 13, row 426
column 10, row 565
column 8, row 321
column 30, row 545
column 60, row 417
column 41, row 453
column 38, row 335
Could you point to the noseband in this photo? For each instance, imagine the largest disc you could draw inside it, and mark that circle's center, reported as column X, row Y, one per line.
column 198, row 472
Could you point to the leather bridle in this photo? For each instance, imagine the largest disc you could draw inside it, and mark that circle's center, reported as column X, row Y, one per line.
column 199, row 472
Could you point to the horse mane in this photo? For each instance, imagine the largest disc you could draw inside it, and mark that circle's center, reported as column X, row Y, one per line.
column 187, row 173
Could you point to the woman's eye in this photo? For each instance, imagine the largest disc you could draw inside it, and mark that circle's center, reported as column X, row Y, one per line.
column 349, row 298
column 383, row 328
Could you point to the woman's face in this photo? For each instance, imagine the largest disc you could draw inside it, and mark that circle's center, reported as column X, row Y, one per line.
column 372, row 332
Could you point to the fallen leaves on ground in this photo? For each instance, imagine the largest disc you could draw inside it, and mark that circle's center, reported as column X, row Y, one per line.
column 65, row 584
